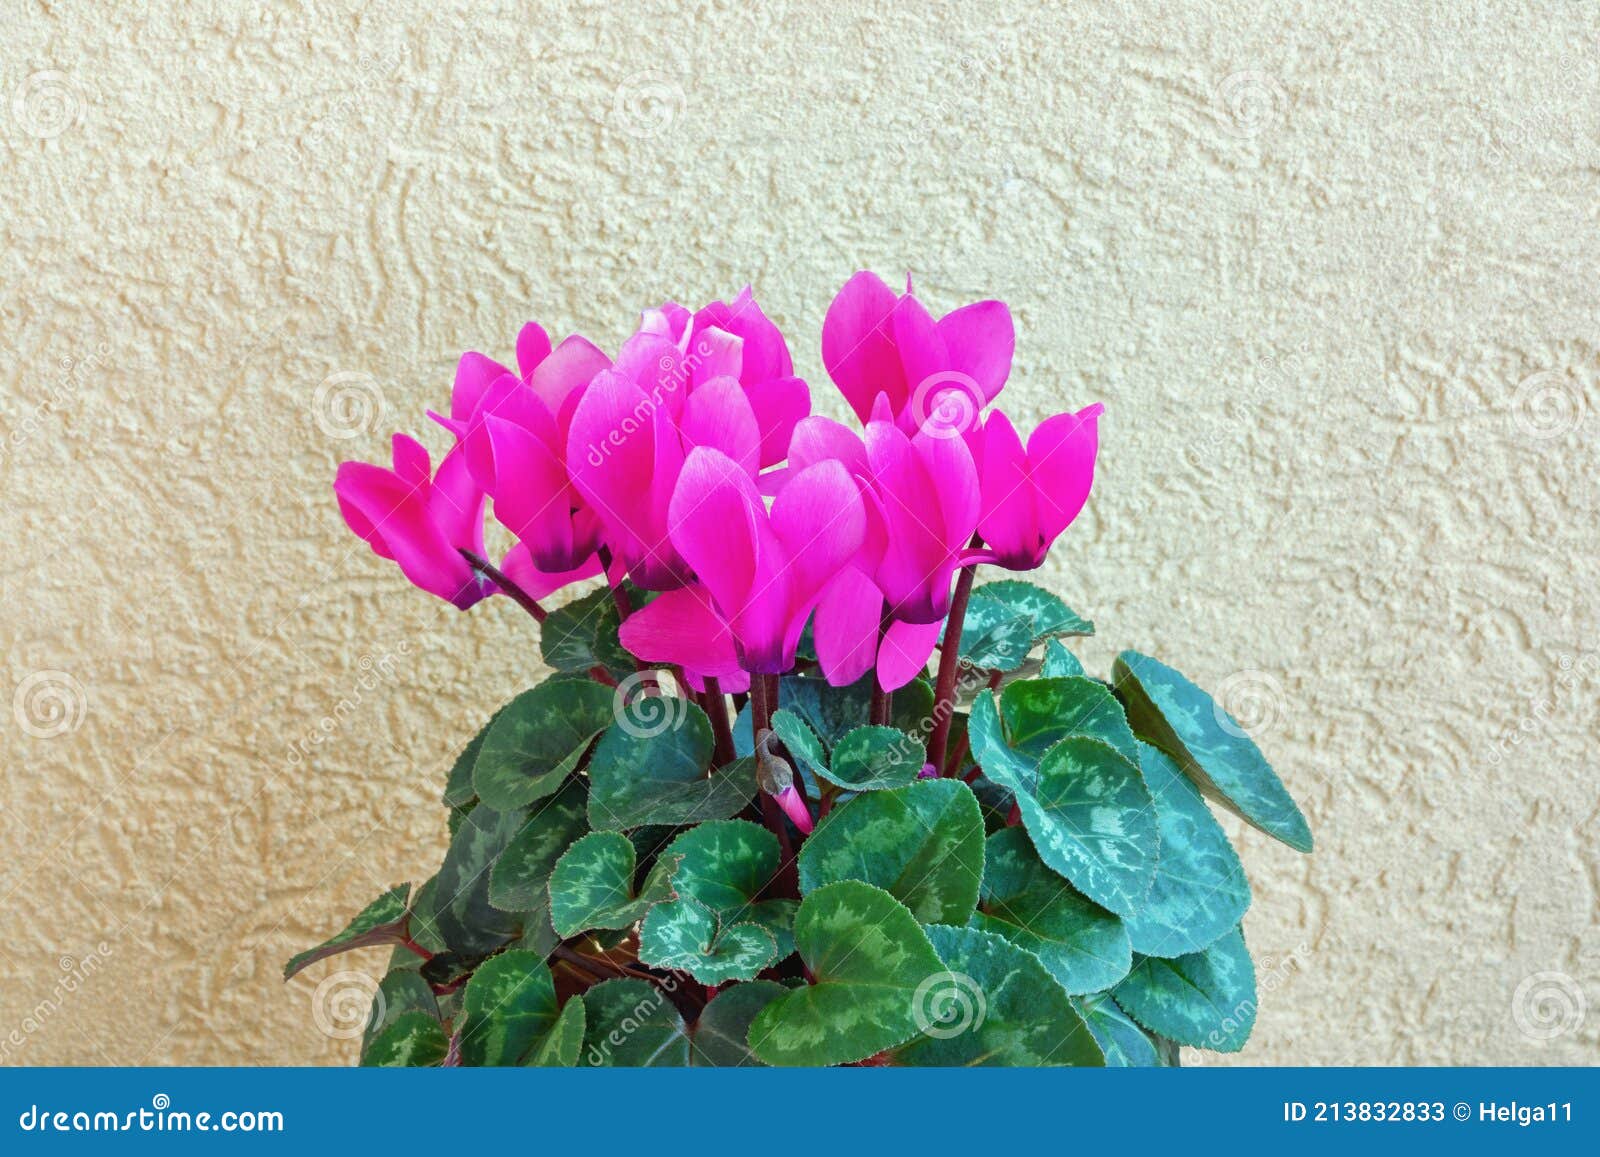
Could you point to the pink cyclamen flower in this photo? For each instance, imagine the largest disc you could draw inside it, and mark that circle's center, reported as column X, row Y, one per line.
column 513, row 429
column 877, row 342
column 1031, row 495
column 759, row 572
column 420, row 520
column 794, row 806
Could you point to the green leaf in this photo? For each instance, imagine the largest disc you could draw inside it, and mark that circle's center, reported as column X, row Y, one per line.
column 724, row 864
column 632, row 1024
column 995, row 1005
column 994, row 635
column 867, row 956
column 1047, row 614
column 1040, row 712
column 1085, row 807
column 1209, row 745
column 874, row 759
column 562, row 1045
column 1125, row 1044
column 510, row 1006
column 413, row 1040
column 923, row 844
column 686, row 935
column 517, row 883
column 536, row 741
column 458, row 789
column 399, row 992
column 1059, row 662
column 657, row 775
column 592, row 885
column 1206, row 999
column 583, row 634
column 802, row 742
column 469, row 924
column 1081, row 944
column 1200, row 890
column 722, row 1034
column 381, row 922
column 831, row 712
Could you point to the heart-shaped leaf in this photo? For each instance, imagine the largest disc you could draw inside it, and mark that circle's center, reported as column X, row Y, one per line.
column 831, row 712
column 994, row 1005
column 657, row 774
column 1125, row 1044
column 1209, row 745
column 686, row 935
column 458, row 789
column 518, row 881
column 867, row 956
column 1046, row 614
column 810, row 757
column 583, row 634
column 511, row 1009
column 413, row 1040
column 725, row 865
column 1040, row 712
column 1199, row 891
column 994, row 635
column 592, row 885
column 469, row 924
column 537, row 739
column 1084, row 805
column 1081, row 944
column 561, row 1046
column 399, row 992
column 923, row 844
column 875, row 759
column 632, row 1024
column 1059, row 662
column 722, row 1034
column 1206, row 999
column 381, row 922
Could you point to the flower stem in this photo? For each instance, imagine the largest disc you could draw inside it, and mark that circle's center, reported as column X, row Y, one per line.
column 944, row 699
column 717, row 708
column 882, row 705
column 495, row 575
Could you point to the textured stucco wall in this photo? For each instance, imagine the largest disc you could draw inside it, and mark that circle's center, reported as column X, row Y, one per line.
column 1330, row 267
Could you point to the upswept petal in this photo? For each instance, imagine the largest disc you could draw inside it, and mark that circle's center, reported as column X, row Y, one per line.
column 981, row 340
column 858, row 348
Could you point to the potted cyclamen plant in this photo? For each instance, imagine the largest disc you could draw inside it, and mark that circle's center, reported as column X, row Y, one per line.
column 740, row 824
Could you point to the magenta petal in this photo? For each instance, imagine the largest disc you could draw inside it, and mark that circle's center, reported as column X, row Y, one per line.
column 560, row 378
column 858, row 347
column 475, row 373
column 949, row 466
column 719, row 415
column 518, row 566
column 715, row 520
column 818, row 439
column 981, row 340
column 714, row 353
column 1009, row 522
column 848, row 616
column 779, row 404
column 533, row 346
column 411, row 461
column 531, row 496
column 923, row 358
column 905, row 652
column 681, row 627
column 1061, row 458
column 818, row 519
column 610, row 459
column 766, row 354
column 794, row 806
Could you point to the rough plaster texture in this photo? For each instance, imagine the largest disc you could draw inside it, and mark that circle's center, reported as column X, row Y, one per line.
column 1330, row 267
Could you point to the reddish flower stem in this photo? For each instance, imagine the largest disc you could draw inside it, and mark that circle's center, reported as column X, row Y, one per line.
column 717, row 708
column 882, row 705
column 495, row 575
column 944, row 698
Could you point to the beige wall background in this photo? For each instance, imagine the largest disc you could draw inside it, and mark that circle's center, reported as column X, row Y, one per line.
column 1331, row 267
